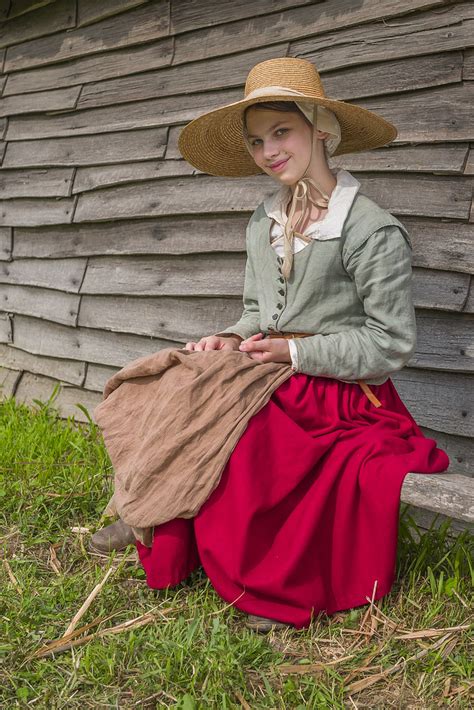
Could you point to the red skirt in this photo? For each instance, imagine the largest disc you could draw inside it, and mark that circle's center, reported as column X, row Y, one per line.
column 305, row 517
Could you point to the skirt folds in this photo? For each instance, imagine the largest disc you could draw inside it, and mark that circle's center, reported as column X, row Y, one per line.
column 305, row 516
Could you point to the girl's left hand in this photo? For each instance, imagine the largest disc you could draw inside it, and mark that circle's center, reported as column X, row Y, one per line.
column 266, row 349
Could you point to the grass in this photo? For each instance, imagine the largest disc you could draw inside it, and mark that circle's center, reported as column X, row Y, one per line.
column 193, row 650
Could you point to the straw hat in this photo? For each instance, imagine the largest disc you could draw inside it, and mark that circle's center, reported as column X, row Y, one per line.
column 214, row 142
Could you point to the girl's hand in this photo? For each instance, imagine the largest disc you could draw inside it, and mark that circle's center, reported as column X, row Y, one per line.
column 266, row 349
column 215, row 342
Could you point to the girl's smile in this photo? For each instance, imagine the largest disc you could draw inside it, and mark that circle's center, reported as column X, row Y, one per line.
column 277, row 167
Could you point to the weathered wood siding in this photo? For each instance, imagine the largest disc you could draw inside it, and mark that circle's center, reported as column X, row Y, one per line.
column 112, row 246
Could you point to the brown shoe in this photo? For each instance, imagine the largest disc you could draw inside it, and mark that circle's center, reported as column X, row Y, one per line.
column 113, row 537
column 262, row 625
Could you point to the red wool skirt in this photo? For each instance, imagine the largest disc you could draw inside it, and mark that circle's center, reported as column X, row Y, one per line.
column 305, row 517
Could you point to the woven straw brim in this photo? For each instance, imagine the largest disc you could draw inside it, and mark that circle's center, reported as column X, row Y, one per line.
column 214, row 144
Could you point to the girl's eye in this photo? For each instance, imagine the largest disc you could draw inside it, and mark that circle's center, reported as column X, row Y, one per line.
column 277, row 131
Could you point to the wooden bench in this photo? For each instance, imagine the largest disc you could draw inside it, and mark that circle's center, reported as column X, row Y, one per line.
column 449, row 495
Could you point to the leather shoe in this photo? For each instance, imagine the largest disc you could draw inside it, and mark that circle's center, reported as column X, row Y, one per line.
column 263, row 625
column 116, row 536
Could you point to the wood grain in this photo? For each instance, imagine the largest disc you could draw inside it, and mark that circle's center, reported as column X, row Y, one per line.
column 44, row 303
column 438, row 400
column 83, row 344
column 96, row 67
column 33, row 387
column 87, row 150
column 70, row 371
column 143, row 24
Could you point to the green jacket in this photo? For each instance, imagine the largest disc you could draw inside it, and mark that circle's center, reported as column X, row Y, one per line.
column 354, row 292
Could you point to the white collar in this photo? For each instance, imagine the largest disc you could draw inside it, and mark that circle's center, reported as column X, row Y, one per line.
column 340, row 202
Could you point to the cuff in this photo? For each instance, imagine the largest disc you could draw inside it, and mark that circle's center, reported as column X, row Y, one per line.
column 293, row 354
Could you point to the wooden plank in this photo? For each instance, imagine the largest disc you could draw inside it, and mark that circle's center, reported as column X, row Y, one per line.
column 6, row 331
column 172, row 150
column 42, row 182
column 166, row 235
column 54, row 100
column 6, row 243
column 3, row 79
column 166, row 275
column 426, row 520
column 38, row 387
column 442, row 29
column 402, row 194
column 437, row 244
column 438, row 400
column 190, row 15
column 83, row 344
column 223, row 276
column 469, row 307
column 325, row 41
column 441, row 244
column 440, row 290
column 468, row 71
column 458, row 448
column 62, row 274
column 97, row 376
column 182, row 319
column 220, row 73
column 70, row 371
column 3, row 127
column 9, row 380
column 43, row 22
column 446, row 493
column 441, row 196
column 31, row 212
column 44, row 303
column 469, row 168
column 139, row 114
column 87, row 150
column 90, row 11
column 83, row 70
column 144, row 24
column 437, row 159
column 410, row 74
column 439, row 114
column 20, row 7
column 107, row 175
column 444, row 341
column 187, row 195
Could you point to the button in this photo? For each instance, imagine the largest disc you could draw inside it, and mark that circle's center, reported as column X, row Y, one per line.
column 281, row 280
column 275, row 316
column 279, row 305
column 281, row 292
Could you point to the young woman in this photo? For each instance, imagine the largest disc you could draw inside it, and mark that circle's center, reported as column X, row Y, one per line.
column 305, row 516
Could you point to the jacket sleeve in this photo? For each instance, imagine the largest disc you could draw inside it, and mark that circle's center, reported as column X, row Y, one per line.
column 382, row 272
column 249, row 322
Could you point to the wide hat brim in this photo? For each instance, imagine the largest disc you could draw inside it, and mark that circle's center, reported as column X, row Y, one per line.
column 213, row 143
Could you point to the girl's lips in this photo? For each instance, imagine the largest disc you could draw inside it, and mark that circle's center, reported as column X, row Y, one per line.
column 279, row 166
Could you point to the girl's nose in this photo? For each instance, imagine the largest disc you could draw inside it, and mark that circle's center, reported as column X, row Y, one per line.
column 270, row 150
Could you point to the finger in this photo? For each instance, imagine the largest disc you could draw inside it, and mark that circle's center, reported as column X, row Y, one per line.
column 189, row 346
column 256, row 345
column 252, row 338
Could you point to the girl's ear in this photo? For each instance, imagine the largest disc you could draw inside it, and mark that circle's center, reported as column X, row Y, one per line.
column 322, row 134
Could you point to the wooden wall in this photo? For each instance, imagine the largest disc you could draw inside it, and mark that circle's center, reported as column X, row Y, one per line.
column 112, row 246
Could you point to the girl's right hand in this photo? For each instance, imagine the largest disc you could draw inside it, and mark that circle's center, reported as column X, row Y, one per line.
column 215, row 342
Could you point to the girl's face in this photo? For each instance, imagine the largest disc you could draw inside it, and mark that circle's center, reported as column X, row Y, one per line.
column 281, row 137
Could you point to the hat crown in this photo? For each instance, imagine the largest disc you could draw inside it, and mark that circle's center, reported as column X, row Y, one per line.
column 289, row 72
